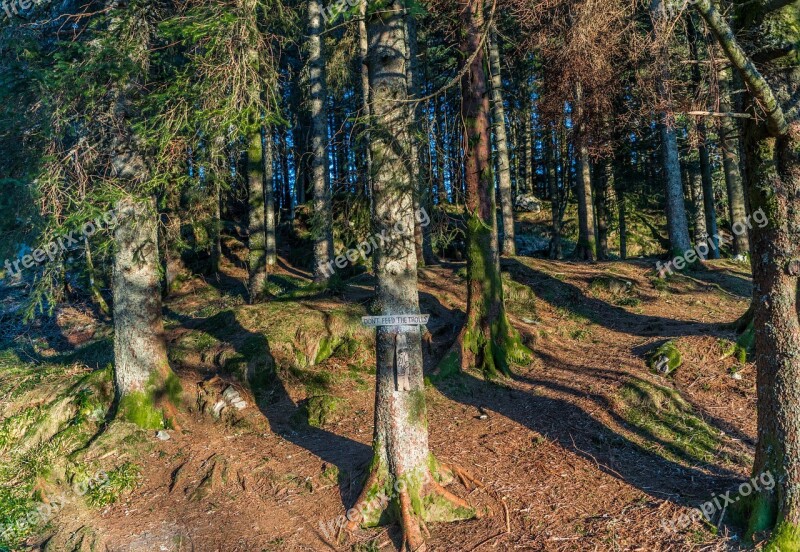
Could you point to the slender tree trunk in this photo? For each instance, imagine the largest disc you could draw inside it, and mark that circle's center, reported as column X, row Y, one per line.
column 422, row 237
column 527, row 140
column 729, row 140
column 555, row 197
column 322, row 217
column 620, row 179
column 487, row 342
column 702, row 147
column 503, row 165
column 402, row 460
column 257, row 220
column 141, row 369
column 585, row 250
column 698, row 212
column 676, row 210
column 602, row 201
column 269, row 203
column 364, row 139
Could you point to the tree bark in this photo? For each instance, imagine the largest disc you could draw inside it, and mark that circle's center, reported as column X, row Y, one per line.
column 257, row 219
column 141, row 370
column 487, row 342
column 676, row 210
column 403, row 472
column 322, row 223
column 586, row 248
column 772, row 151
column 501, row 143
column 729, row 141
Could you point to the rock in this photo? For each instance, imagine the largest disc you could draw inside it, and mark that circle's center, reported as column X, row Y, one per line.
column 736, row 376
column 162, row 435
column 233, row 398
column 665, row 359
column 527, row 203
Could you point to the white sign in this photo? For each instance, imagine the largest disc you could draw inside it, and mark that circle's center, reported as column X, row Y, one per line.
column 396, row 320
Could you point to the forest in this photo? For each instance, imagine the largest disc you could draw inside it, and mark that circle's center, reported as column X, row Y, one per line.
column 416, row 275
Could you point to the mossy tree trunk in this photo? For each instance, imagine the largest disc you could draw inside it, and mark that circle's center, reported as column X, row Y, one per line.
column 487, row 342
column 772, row 151
column 141, row 370
column 257, row 220
column 322, row 221
column 404, row 477
column 501, row 142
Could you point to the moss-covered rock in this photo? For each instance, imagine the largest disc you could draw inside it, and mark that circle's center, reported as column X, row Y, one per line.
column 665, row 359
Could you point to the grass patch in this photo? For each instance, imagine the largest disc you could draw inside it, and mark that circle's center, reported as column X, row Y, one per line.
column 669, row 425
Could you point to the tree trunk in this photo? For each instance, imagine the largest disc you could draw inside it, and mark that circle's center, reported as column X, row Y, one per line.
column 501, row 142
column 142, row 374
column 604, row 182
column 487, row 342
column 257, row 220
column 556, row 194
column 585, row 250
column 772, row 151
column 698, row 213
column 403, row 472
column 729, row 140
column 527, row 141
column 619, row 185
column 363, row 138
column 676, row 210
column 322, row 218
column 702, row 147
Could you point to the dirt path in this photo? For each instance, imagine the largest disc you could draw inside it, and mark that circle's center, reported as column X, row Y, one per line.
column 565, row 463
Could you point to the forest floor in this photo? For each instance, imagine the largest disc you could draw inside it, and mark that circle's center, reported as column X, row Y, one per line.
column 584, row 449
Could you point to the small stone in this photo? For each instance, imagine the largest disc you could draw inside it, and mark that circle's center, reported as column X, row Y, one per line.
column 162, row 435
column 218, row 408
column 736, row 376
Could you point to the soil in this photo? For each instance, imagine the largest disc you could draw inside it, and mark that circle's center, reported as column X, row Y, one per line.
column 563, row 463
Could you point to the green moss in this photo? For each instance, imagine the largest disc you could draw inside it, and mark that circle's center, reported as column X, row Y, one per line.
column 449, row 366
column 759, row 513
column 668, row 425
column 417, row 412
column 120, row 480
column 785, row 538
column 745, row 344
column 321, row 410
column 665, row 359
column 139, row 408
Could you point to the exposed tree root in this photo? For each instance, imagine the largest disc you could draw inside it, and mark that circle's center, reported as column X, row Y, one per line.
column 466, row 478
column 415, row 504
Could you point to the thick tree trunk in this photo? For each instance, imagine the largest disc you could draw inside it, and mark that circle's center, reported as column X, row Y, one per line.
column 142, row 374
column 676, row 210
column 585, row 250
column 774, row 185
column 772, row 151
column 322, row 217
column 487, row 342
column 403, row 474
column 501, row 142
